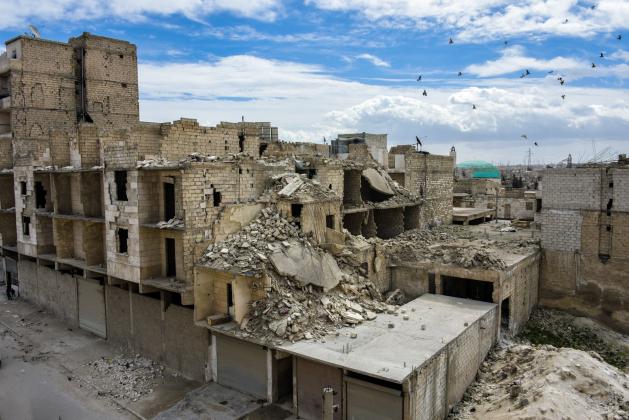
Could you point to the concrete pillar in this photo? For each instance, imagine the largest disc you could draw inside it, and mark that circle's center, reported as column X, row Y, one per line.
column 213, row 361
column 328, row 404
column 438, row 284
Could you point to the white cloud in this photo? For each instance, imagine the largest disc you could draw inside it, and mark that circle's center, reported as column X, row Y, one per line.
column 620, row 55
column 482, row 19
column 513, row 59
column 247, row 33
column 373, row 60
column 308, row 103
column 18, row 13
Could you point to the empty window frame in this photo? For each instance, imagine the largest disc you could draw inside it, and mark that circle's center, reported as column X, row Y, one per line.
column 171, row 260
column 169, row 200
column 123, row 241
column 40, row 195
column 120, row 177
column 26, row 226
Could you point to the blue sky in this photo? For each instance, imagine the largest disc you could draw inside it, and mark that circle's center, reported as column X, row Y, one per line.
column 319, row 67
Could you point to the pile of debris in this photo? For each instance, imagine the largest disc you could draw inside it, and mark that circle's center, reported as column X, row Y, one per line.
column 247, row 251
column 298, row 186
column 124, row 377
column 560, row 329
column 173, row 223
column 309, row 295
column 294, row 312
column 445, row 244
column 526, row 382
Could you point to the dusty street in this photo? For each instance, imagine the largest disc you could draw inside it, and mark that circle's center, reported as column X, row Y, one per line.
column 45, row 372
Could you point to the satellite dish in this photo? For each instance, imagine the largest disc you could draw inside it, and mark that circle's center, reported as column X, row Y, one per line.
column 34, row 31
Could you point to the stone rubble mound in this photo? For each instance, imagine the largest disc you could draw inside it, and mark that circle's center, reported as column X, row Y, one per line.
column 543, row 382
column 124, row 377
column 294, row 312
column 247, row 251
column 442, row 244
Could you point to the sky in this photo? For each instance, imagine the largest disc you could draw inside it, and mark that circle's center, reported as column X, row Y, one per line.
column 316, row 68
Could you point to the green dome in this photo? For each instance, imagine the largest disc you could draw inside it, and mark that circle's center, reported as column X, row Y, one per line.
column 480, row 169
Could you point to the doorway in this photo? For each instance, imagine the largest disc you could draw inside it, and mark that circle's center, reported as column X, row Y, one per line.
column 468, row 288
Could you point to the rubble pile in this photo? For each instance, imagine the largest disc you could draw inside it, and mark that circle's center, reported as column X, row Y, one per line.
column 291, row 185
column 125, row 377
column 173, row 223
column 523, row 381
column 560, row 329
column 247, row 251
column 442, row 244
column 294, row 312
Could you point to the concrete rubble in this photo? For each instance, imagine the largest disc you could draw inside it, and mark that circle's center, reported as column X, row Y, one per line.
column 294, row 312
column 247, row 252
column 302, row 303
column 450, row 245
column 125, row 377
column 173, row 223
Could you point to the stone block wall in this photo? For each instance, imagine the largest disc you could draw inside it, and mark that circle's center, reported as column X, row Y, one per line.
column 585, row 259
column 431, row 177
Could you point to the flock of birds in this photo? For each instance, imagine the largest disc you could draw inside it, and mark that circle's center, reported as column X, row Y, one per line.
column 524, row 74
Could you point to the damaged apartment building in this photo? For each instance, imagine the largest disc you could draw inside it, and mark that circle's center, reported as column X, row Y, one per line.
column 287, row 271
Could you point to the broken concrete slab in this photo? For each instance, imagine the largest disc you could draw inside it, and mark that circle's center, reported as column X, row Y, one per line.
column 377, row 181
column 307, row 266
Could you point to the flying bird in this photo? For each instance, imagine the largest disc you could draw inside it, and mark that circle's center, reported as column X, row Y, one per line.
column 418, row 141
column 563, row 97
column 561, row 80
column 425, row 93
column 593, row 7
column 506, row 42
column 535, row 143
column 602, row 55
column 551, row 72
column 473, row 106
column 460, row 74
column 527, row 72
column 524, row 136
column 450, row 41
column 565, row 21
column 593, row 65
column 619, row 37
column 419, row 78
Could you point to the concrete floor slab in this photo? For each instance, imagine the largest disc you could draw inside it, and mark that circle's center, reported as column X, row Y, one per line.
column 393, row 353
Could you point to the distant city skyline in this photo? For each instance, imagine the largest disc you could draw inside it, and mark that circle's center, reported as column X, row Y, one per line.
column 317, row 68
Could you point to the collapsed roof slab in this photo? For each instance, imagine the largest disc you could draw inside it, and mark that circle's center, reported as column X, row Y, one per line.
column 377, row 181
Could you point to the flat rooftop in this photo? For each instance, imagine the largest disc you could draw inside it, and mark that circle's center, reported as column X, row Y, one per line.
column 392, row 354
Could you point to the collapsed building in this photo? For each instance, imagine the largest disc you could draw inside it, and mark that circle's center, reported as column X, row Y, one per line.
column 284, row 270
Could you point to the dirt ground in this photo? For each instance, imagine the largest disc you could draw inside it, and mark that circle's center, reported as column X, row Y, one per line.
column 559, row 367
column 50, row 371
